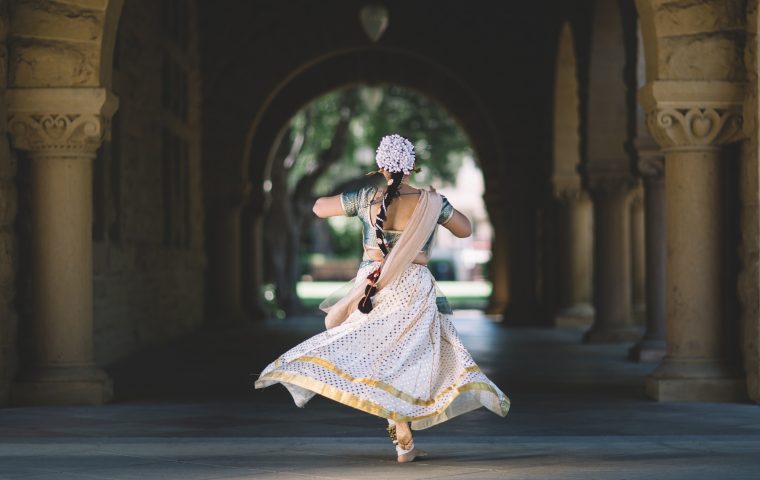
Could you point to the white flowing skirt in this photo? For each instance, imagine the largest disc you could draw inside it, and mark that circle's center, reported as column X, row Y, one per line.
column 403, row 361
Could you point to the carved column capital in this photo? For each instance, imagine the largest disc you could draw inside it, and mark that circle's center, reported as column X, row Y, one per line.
column 60, row 121
column 689, row 115
column 567, row 188
column 688, row 127
column 600, row 181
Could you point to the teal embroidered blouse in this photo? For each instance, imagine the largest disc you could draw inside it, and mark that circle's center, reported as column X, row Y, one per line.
column 356, row 203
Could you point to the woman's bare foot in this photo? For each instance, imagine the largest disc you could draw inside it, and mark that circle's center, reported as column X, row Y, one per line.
column 406, row 441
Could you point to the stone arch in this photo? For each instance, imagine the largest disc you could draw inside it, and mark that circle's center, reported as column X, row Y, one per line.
column 566, row 114
column 574, row 209
column 62, row 43
column 367, row 65
column 680, row 45
column 346, row 68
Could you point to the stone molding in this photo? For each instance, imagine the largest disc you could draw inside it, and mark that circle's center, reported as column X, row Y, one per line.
column 60, row 121
column 614, row 178
column 693, row 115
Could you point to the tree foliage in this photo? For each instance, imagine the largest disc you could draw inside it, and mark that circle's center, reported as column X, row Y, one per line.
column 329, row 147
column 440, row 143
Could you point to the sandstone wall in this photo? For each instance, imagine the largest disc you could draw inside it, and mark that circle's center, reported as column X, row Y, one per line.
column 148, row 216
column 8, row 250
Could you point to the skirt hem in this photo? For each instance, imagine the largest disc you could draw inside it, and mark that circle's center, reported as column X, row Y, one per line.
column 466, row 398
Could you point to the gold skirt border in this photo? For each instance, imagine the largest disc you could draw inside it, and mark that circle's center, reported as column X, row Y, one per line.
column 373, row 408
column 379, row 384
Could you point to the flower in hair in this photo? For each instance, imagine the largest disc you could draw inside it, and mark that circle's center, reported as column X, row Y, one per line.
column 395, row 154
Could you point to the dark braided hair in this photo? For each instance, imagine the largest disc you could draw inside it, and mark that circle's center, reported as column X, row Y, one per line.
column 365, row 304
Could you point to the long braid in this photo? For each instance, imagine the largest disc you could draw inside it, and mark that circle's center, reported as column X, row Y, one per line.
column 365, row 304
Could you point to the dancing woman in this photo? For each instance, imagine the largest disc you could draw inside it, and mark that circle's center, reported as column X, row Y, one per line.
column 389, row 348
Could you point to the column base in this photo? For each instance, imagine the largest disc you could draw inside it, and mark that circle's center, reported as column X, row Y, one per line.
column 63, row 386
column 627, row 333
column 578, row 315
column 640, row 314
column 695, row 380
column 647, row 351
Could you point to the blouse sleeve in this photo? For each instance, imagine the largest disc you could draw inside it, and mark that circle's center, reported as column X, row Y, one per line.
column 447, row 211
column 350, row 202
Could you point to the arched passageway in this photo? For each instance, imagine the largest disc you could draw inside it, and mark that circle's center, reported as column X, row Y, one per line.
column 329, row 74
column 191, row 176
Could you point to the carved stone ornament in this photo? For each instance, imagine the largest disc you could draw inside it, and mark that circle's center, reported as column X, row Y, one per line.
column 695, row 127
column 374, row 20
column 57, row 132
column 66, row 121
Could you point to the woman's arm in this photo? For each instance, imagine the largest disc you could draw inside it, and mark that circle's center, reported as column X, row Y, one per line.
column 459, row 225
column 328, row 207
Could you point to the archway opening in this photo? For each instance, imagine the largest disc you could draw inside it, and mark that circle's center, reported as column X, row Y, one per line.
column 328, row 147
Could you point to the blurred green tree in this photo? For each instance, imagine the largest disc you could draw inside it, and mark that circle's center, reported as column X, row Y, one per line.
column 329, row 147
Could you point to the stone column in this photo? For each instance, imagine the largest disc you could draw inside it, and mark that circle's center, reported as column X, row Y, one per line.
column 498, row 266
column 253, row 261
column 651, row 348
column 576, row 250
column 692, row 121
column 225, row 273
column 611, row 194
column 638, row 268
column 60, row 130
column 498, row 271
column 524, row 308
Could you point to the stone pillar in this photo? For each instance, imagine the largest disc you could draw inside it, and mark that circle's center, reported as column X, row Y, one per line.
column 524, row 308
column 498, row 269
column 638, row 256
column 692, row 121
column 611, row 194
column 60, row 130
column 576, row 245
column 225, row 275
column 253, row 261
column 651, row 348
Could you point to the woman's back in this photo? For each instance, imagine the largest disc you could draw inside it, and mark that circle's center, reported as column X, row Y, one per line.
column 400, row 210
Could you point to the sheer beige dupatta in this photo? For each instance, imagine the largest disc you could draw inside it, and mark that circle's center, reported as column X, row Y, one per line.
column 419, row 227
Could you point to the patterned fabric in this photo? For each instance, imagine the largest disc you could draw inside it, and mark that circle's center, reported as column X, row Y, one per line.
column 403, row 361
column 356, row 203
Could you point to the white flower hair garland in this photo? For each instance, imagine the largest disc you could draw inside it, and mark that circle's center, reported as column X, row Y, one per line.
column 395, row 154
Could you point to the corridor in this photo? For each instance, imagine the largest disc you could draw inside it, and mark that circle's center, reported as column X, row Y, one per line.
column 188, row 411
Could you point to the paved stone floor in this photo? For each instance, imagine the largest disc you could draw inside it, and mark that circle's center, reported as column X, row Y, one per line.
column 188, row 411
